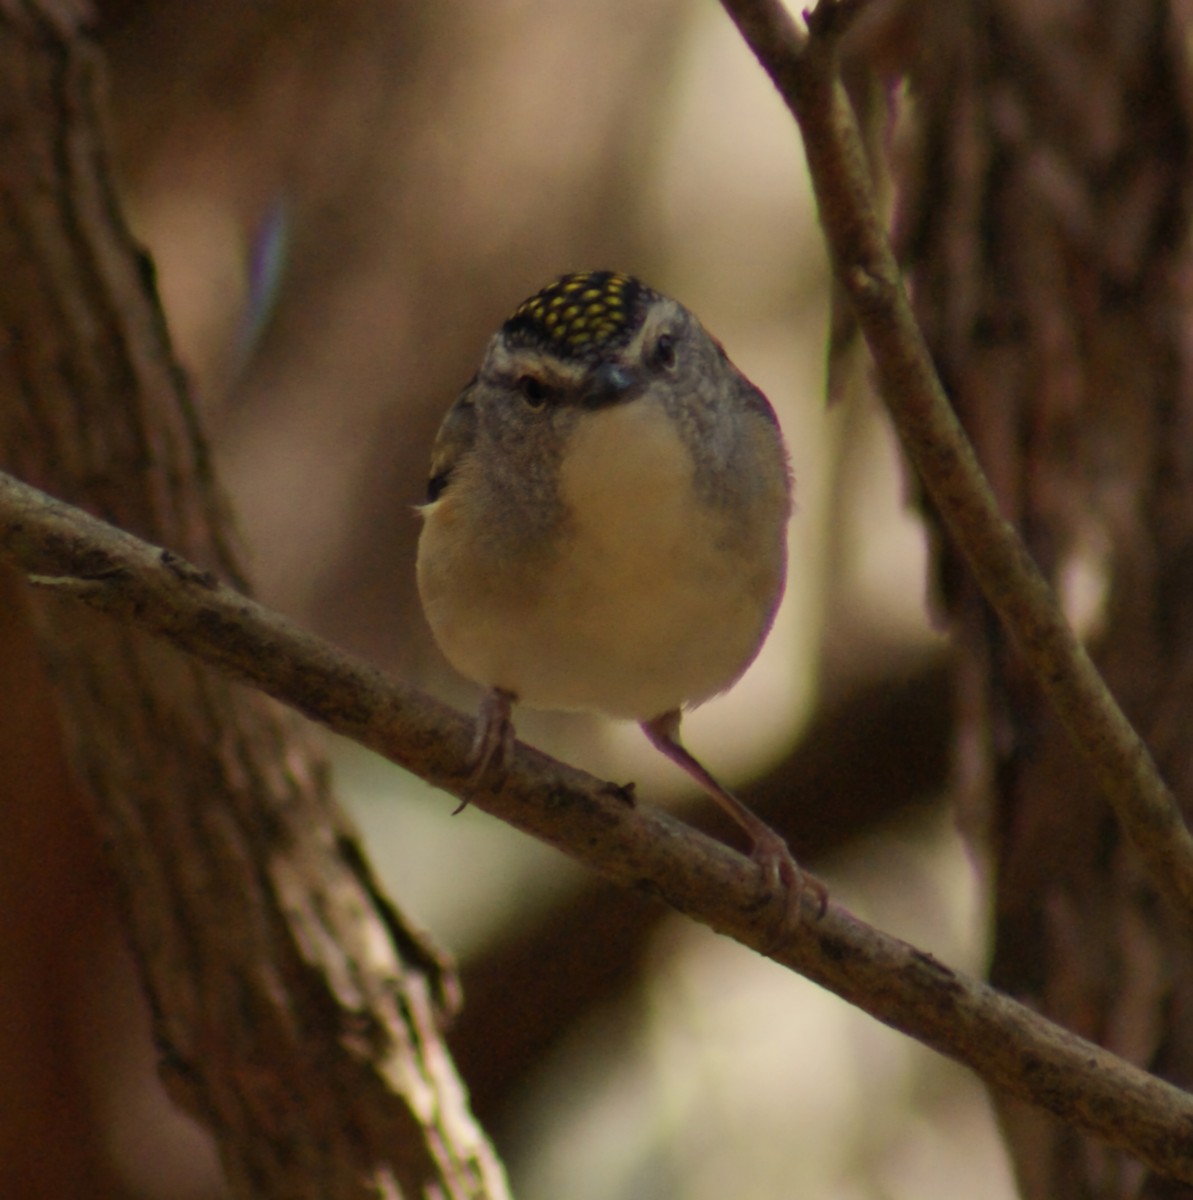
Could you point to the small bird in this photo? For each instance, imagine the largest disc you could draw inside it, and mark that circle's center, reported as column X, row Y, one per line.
column 605, row 525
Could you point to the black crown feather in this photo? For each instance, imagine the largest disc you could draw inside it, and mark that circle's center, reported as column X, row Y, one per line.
column 582, row 315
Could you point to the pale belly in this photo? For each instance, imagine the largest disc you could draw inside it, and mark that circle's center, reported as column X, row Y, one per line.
column 651, row 601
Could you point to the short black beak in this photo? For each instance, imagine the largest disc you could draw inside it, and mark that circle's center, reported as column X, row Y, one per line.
column 610, row 383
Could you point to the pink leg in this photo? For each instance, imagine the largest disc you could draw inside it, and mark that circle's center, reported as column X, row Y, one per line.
column 770, row 851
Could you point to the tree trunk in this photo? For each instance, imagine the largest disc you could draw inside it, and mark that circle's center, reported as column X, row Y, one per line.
column 1045, row 220
column 296, row 1014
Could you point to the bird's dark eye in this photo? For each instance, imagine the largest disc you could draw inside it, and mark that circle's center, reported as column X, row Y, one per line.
column 533, row 390
column 664, row 351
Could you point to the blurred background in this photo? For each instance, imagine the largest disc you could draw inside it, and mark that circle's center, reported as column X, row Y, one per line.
column 343, row 200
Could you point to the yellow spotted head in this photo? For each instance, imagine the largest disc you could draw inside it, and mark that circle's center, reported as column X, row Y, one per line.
column 581, row 316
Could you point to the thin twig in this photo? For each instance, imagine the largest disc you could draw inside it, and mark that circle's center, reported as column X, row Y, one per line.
column 804, row 68
column 1011, row 1047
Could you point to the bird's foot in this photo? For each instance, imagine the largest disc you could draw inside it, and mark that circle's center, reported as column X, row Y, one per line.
column 787, row 877
column 493, row 743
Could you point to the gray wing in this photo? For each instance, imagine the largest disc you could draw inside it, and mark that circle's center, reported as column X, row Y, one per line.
column 455, row 438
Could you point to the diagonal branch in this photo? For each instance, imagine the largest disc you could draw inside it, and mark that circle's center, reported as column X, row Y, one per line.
column 804, row 68
column 70, row 554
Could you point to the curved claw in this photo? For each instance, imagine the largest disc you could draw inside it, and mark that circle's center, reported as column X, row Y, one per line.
column 773, row 856
column 493, row 743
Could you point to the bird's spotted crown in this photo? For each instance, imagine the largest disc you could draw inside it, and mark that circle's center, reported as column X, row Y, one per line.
column 582, row 315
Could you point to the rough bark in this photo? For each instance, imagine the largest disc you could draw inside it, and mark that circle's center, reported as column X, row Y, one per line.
column 1045, row 219
column 296, row 1014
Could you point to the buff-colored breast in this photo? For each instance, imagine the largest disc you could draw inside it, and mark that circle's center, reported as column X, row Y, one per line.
column 652, row 598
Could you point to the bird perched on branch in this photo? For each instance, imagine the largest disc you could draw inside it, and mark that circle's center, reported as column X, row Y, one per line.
column 605, row 526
